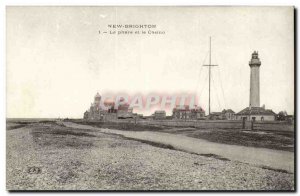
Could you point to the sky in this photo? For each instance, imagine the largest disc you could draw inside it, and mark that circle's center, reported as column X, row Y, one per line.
column 56, row 60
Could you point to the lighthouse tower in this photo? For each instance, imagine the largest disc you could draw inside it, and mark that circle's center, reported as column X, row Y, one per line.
column 254, row 80
column 254, row 111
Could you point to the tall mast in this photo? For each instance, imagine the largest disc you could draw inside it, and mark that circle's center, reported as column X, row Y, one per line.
column 209, row 74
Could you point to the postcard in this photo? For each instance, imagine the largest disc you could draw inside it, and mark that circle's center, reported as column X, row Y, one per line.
column 157, row 98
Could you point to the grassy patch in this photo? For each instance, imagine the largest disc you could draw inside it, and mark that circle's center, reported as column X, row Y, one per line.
column 70, row 132
column 15, row 125
column 272, row 140
column 123, row 126
column 215, row 156
column 156, row 144
column 11, row 127
column 62, row 137
column 276, row 170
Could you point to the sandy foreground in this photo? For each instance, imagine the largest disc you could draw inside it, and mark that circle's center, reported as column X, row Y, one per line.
column 48, row 156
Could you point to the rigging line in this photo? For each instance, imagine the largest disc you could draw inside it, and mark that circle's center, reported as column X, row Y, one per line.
column 203, row 86
column 216, row 93
column 220, row 79
column 199, row 76
column 215, row 57
column 198, row 80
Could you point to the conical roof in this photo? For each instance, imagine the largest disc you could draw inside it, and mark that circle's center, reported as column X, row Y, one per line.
column 97, row 95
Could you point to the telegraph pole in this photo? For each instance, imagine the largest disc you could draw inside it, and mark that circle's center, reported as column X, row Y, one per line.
column 209, row 73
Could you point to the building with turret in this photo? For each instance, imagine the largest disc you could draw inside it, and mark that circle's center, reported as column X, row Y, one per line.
column 95, row 112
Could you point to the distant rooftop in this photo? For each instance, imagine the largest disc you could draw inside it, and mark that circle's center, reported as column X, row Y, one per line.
column 256, row 111
column 159, row 111
column 228, row 111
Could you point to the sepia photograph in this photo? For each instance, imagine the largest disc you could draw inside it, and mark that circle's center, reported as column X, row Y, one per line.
column 150, row 98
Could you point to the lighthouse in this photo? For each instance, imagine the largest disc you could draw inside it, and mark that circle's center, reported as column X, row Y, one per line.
column 254, row 111
column 254, row 80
